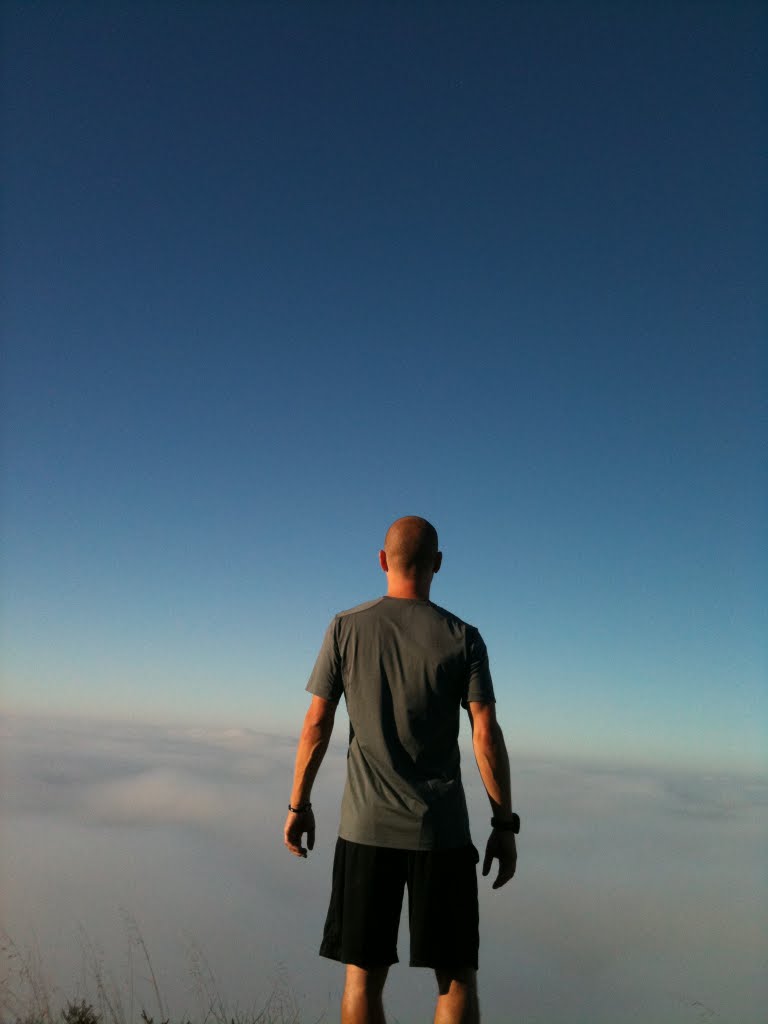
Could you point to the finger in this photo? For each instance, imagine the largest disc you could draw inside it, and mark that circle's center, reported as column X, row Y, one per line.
column 502, row 878
column 294, row 845
column 311, row 838
column 487, row 860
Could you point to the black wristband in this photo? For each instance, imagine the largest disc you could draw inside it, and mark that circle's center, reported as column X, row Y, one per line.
column 510, row 825
column 301, row 808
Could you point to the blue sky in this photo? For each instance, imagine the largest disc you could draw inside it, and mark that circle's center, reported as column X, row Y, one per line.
column 276, row 274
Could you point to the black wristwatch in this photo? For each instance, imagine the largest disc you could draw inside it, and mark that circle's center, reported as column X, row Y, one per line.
column 508, row 825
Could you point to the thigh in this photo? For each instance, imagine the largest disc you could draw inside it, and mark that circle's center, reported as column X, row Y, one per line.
column 366, row 900
column 443, row 908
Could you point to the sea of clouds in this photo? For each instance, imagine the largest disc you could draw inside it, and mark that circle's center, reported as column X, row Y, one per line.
column 640, row 893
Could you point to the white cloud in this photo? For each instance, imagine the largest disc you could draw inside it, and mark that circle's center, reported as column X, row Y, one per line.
column 155, row 797
column 619, row 866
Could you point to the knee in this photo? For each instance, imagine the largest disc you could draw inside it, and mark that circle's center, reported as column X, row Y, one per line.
column 456, row 979
column 368, row 980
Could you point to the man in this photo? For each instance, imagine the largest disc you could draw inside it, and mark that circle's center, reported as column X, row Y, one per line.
column 405, row 667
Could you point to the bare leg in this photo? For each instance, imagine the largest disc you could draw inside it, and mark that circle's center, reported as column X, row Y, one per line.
column 361, row 1002
column 457, row 996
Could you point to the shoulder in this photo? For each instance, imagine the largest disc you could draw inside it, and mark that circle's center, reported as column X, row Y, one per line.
column 454, row 620
column 358, row 609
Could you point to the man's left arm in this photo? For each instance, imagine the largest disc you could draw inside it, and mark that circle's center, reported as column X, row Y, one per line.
column 313, row 743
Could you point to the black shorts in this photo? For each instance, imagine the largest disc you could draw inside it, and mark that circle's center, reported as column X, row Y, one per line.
column 367, row 897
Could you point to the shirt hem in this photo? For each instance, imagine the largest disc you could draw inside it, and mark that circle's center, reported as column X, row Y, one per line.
column 416, row 848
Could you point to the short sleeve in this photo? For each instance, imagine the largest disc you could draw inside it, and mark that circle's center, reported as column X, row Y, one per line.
column 479, row 683
column 326, row 680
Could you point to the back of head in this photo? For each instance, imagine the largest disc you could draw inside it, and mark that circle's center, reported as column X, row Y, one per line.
column 411, row 546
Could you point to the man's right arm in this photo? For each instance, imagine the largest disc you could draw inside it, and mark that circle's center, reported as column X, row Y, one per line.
column 493, row 762
column 313, row 743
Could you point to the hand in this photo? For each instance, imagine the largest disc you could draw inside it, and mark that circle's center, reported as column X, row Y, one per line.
column 501, row 846
column 295, row 827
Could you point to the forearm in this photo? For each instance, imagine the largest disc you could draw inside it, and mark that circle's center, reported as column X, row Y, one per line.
column 493, row 762
column 313, row 744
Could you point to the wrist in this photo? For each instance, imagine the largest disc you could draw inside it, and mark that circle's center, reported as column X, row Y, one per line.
column 300, row 808
column 509, row 822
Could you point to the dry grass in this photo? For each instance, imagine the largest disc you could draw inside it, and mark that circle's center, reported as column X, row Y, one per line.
column 26, row 997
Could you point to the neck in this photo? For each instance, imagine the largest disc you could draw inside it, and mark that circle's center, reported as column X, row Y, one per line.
column 412, row 589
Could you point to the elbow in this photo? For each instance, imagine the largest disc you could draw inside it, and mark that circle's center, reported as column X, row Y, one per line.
column 488, row 736
column 320, row 725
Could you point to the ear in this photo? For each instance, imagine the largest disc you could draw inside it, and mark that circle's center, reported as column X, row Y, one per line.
column 438, row 561
column 383, row 560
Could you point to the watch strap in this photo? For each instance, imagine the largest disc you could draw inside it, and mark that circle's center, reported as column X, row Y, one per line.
column 511, row 824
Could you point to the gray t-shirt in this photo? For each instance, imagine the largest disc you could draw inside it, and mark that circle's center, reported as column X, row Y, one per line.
column 405, row 667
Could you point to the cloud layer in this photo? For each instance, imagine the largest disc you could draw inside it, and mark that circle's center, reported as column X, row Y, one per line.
column 638, row 893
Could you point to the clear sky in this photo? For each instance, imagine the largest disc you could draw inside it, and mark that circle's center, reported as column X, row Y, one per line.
column 276, row 274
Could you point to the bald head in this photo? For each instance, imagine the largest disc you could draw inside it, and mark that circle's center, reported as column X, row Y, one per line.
column 411, row 547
